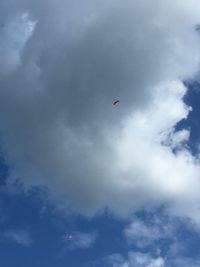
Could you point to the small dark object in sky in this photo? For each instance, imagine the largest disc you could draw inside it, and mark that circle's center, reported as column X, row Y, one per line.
column 115, row 102
column 197, row 28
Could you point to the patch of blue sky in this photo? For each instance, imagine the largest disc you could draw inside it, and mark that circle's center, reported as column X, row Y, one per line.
column 192, row 98
column 3, row 171
column 29, row 211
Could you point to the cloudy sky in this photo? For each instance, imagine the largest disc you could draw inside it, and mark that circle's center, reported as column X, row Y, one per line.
column 84, row 182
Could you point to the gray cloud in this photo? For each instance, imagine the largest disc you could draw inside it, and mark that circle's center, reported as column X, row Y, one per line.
column 58, row 126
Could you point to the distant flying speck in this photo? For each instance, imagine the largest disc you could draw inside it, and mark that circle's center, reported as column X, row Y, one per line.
column 69, row 237
column 115, row 102
column 197, row 28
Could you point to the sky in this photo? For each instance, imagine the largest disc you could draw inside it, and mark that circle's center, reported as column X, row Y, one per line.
column 84, row 182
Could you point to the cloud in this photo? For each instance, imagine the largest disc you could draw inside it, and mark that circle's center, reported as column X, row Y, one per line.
column 155, row 240
column 133, row 259
column 14, row 37
column 142, row 233
column 137, row 259
column 58, row 126
column 185, row 261
column 80, row 240
column 20, row 237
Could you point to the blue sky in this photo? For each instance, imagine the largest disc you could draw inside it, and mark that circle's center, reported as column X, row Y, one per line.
column 84, row 182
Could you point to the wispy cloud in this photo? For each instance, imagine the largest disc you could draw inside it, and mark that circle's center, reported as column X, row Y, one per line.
column 20, row 237
column 80, row 240
column 155, row 241
column 132, row 259
column 142, row 233
column 138, row 259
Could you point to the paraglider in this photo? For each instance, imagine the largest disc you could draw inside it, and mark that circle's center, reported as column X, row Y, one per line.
column 115, row 102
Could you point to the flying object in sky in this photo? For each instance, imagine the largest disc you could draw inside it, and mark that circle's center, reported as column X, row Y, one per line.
column 69, row 237
column 115, row 102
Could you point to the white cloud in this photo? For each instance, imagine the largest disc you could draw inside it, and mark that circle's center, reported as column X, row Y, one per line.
column 58, row 126
column 133, row 259
column 20, row 237
column 80, row 240
column 13, row 40
column 137, row 259
column 156, row 241
column 142, row 233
